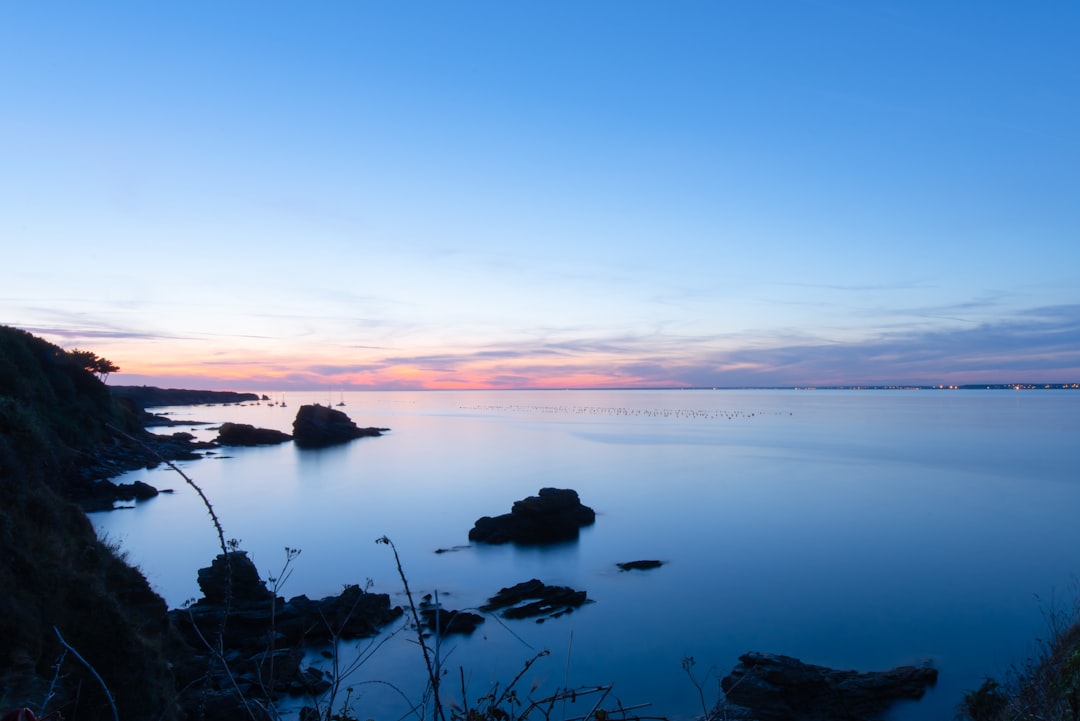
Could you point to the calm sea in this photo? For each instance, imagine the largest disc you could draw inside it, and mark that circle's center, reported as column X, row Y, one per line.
column 854, row 529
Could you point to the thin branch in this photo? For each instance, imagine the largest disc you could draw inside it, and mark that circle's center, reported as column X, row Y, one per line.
column 431, row 667
column 92, row 670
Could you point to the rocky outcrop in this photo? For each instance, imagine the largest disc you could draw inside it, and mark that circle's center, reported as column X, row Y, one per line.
column 770, row 687
column 639, row 565
column 318, row 426
column 556, row 514
column 243, row 434
column 103, row 495
column 533, row 598
column 261, row 626
column 93, row 492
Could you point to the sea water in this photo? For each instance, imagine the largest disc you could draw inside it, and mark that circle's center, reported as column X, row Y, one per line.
column 853, row 529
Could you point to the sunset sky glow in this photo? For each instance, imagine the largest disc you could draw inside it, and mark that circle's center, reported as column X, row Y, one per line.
column 273, row 196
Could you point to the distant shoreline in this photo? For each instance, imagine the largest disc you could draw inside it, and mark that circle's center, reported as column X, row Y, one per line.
column 181, row 397
column 152, row 396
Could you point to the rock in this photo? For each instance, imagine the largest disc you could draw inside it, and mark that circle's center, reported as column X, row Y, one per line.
column 318, row 426
column 90, row 489
column 139, row 491
column 353, row 613
column 260, row 627
column 639, row 565
column 245, row 581
column 101, row 495
column 556, row 514
column 533, row 598
column 770, row 687
column 243, row 434
column 445, row 621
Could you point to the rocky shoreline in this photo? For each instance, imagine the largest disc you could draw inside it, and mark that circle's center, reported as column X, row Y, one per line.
column 315, row 427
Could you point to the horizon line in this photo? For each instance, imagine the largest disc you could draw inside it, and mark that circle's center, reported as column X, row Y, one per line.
column 806, row 387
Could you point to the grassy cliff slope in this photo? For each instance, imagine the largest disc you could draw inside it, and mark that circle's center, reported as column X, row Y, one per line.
column 55, row 574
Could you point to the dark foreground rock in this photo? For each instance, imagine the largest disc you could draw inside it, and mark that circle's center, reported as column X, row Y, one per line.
column 243, row 434
column 320, row 426
column 264, row 631
column 533, row 598
column 555, row 515
column 770, row 687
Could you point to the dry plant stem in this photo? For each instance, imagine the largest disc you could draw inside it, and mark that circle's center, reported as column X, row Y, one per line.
column 52, row 685
column 438, row 646
column 228, row 671
column 566, row 671
column 510, row 686
column 276, row 583
column 92, row 670
column 604, row 695
column 432, row 670
column 688, row 666
column 464, row 696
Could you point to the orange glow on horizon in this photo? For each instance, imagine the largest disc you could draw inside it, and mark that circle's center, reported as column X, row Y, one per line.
column 300, row 374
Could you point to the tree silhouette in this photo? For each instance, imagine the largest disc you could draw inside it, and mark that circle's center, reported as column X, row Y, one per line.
column 90, row 361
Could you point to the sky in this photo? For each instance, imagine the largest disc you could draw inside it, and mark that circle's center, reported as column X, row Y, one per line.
column 610, row 193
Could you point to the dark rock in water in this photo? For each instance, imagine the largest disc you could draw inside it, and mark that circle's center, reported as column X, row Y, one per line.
column 243, row 434
column 139, row 491
column 320, row 426
column 556, row 514
column 532, row 598
column 246, row 584
column 260, row 627
column 639, row 565
column 445, row 621
column 101, row 495
column 770, row 687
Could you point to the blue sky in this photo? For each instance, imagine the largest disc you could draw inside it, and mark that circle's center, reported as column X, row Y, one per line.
column 493, row 194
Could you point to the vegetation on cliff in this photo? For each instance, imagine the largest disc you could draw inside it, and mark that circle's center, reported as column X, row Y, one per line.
column 56, row 575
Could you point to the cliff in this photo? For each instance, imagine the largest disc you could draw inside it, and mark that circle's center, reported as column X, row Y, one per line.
column 55, row 573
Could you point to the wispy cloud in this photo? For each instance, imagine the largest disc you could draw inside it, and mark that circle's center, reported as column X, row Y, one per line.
column 1036, row 345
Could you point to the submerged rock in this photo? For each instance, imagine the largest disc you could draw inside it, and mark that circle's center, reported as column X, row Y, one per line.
column 771, row 687
column 639, row 565
column 318, row 426
column 555, row 514
column 533, row 598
